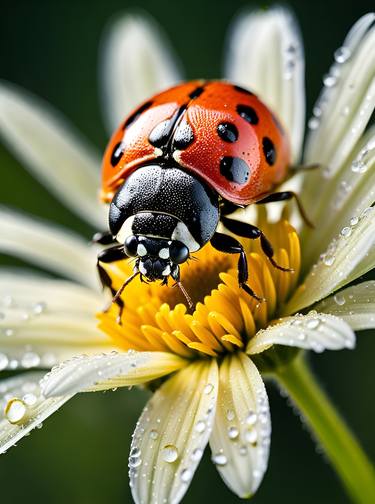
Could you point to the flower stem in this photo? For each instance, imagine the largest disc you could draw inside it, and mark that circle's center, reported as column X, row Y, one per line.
column 343, row 450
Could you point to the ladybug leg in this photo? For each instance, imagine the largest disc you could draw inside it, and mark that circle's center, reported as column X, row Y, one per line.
column 109, row 255
column 105, row 238
column 287, row 195
column 227, row 207
column 249, row 231
column 230, row 245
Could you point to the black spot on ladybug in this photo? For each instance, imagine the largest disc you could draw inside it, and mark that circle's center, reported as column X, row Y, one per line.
column 243, row 90
column 235, row 169
column 197, row 92
column 117, row 153
column 159, row 136
column 134, row 116
column 227, row 132
column 248, row 113
column 269, row 151
column 183, row 136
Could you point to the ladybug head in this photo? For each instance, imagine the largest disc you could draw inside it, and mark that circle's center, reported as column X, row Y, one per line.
column 156, row 258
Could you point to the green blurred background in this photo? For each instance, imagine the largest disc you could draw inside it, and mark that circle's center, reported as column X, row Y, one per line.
column 80, row 455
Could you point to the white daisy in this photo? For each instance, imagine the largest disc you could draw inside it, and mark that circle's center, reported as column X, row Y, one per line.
column 214, row 392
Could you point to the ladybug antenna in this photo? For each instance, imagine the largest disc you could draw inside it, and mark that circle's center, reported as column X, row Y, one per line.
column 127, row 282
column 185, row 294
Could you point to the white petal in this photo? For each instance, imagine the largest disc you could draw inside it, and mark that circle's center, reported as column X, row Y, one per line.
column 355, row 305
column 47, row 246
column 346, row 104
column 43, row 321
column 172, row 434
column 265, row 54
column 136, row 62
column 314, row 331
column 52, row 150
column 21, row 399
column 242, row 432
column 346, row 258
column 346, row 194
column 85, row 373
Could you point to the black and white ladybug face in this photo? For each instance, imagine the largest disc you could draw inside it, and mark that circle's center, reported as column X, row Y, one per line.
column 157, row 258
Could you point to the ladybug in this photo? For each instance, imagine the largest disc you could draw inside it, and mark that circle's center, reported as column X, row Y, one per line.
column 177, row 165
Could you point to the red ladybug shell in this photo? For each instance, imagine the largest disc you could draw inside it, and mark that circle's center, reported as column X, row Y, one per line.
column 222, row 133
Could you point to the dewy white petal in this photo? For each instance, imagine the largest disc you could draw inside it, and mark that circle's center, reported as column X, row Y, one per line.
column 265, row 54
column 43, row 321
column 347, row 100
column 348, row 256
column 47, row 246
column 85, row 373
column 240, row 438
column 52, row 150
column 22, row 407
column 314, row 331
column 172, row 433
column 136, row 62
column 355, row 305
column 348, row 193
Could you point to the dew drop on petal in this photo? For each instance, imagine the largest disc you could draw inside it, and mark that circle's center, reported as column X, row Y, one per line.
column 196, row 454
column 30, row 399
column 233, row 432
column 329, row 259
column 339, row 299
column 154, row 434
column 135, row 461
column 186, row 475
column 313, row 123
column 354, row 221
column 346, row 231
column 219, row 459
column 313, row 323
column 15, row 411
column 30, row 359
column 208, row 388
column 230, row 415
column 170, row 453
column 251, row 418
column 135, row 452
column 200, row 426
column 3, row 361
column 342, row 54
column 251, row 436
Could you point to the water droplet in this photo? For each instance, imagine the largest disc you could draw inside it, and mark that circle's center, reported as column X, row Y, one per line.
column 230, row 415
column 251, row 418
column 30, row 399
column 208, row 388
column 15, row 410
column 358, row 166
column 154, row 434
column 9, row 332
column 251, row 436
column 329, row 259
column 233, row 432
column 196, row 454
column 39, row 308
column 354, row 221
column 170, row 453
column 135, row 452
column 313, row 123
column 329, row 80
column 219, row 459
column 135, row 461
column 186, row 475
column 313, row 323
column 30, row 359
column 346, row 231
column 342, row 54
column 3, row 361
column 200, row 426
column 339, row 299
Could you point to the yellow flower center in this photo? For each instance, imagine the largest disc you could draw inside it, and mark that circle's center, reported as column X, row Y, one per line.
column 224, row 318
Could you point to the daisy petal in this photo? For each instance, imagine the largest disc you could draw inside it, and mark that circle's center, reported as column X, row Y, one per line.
column 315, row 331
column 355, row 305
column 265, row 55
column 109, row 370
column 346, row 194
column 43, row 321
column 23, row 407
column 172, row 434
column 47, row 246
column 345, row 105
column 347, row 257
column 137, row 61
column 241, row 435
column 52, row 150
